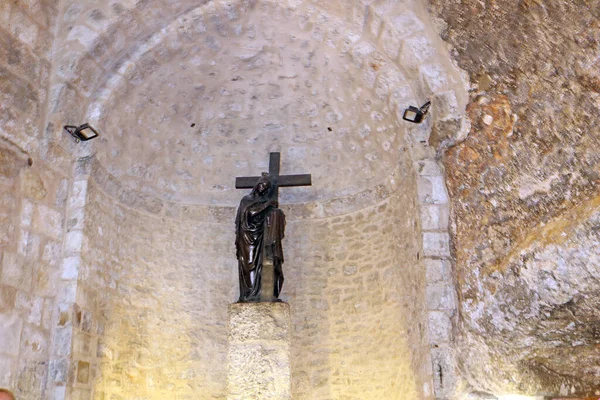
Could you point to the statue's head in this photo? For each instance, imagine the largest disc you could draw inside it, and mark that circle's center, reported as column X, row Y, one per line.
column 264, row 186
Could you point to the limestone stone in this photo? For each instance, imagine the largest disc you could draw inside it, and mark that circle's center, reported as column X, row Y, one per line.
column 11, row 326
column 258, row 355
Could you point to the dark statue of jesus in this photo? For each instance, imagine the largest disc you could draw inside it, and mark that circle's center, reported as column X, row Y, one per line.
column 259, row 230
column 260, row 226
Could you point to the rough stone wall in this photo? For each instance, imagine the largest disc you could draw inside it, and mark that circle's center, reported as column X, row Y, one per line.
column 34, row 175
column 153, row 294
column 522, row 186
column 26, row 36
column 356, row 289
column 32, row 222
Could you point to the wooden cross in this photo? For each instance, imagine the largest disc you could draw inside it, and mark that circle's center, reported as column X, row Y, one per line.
column 248, row 182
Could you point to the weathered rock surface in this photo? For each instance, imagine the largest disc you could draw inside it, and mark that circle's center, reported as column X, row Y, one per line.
column 524, row 189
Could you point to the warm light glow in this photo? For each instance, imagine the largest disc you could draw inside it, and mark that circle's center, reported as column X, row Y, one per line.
column 518, row 397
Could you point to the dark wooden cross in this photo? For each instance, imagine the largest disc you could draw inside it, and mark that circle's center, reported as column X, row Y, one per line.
column 248, row 182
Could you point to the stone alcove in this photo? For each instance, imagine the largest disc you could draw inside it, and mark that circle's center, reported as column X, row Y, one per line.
column 189, row 96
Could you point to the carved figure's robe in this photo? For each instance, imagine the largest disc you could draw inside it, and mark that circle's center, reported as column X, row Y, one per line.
column 258, row 222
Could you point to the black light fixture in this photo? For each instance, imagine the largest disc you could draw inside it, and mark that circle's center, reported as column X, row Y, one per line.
column 82, row 133
column 416, row 115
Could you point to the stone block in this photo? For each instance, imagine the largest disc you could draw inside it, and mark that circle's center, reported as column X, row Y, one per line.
column 22, row 27
column 428, row 168
column 11, row 326
column 70, row 268
column 32, row 186
column 446, row 104
column 16, row 272
column 388, row 79
column 360, row 52
column 373, row 22
column 19, row 57
column 259, row 351
column 441, row 297
column 436, row 244
column 48, row 222
column 434, row 217
column 438, row 271
column 63, row 341
column 406, row 24
column 432, row 190
column 73, row 242
column 434, row 77
column 416, row 51
column 8, row 297
column 390, row 42
column 59, row 370
column 445, row 373
column 7, row 371
column 34, row 344
column 440, row 327
column 32, row 378
column 30, row 305
column 83, row 372
column 26, row 213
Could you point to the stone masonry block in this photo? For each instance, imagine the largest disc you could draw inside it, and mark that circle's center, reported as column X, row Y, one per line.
column 438, row 271
column 440, row 327
column 434, row 77
column 441, row 297
column 16, row 272
column 374, row 22
column 73, row 242
column 360, row 52
column 48, row 222
column 387, row 80
column 63, row 338
column 436, row 244
column 11, row 326
column 428, row 168
column 70, row 268
column 7, row 371
column 434, row 217
column 432, row 190
column 445, row 379
column 416, row 51
column 390, row 42
column 259, row 351
column 22, row 27
column 406, row 24
column 19, row 57
column 446, row 104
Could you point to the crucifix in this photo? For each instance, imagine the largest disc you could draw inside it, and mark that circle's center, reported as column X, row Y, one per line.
column 260, row 228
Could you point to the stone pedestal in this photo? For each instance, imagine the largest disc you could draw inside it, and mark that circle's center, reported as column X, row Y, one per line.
column 259, row 352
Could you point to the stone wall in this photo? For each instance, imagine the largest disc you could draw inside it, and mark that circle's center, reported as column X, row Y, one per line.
column 34, row 186
column 325, row 85
column 32, row 223
column 153, row 292
column 26, row 36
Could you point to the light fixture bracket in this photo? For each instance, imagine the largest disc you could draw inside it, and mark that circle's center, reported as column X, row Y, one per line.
column 416, row 115
column 82, row 133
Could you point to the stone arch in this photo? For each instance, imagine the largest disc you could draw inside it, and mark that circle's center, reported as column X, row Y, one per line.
column 385, row 31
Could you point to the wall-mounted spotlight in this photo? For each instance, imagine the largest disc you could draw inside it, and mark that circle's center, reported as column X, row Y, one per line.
column 416, row 115
column 83, row 132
